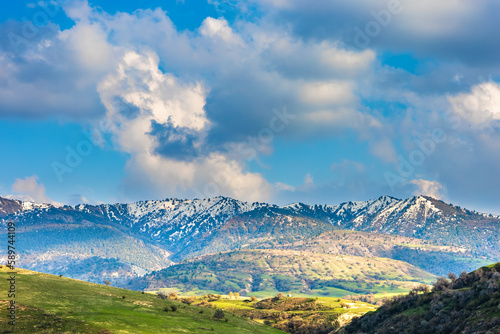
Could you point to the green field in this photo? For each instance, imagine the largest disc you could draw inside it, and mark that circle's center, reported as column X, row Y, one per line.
column 53, row 304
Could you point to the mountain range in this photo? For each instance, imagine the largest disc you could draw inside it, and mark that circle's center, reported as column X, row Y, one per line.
column 123, row 241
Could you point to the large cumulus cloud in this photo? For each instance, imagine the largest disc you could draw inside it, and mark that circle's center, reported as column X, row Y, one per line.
column 179, row 103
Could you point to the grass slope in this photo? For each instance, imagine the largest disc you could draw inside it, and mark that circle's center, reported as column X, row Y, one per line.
column 52, row 304
column 264, row 273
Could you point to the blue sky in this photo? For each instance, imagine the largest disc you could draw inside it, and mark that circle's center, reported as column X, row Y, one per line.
column 278, row 101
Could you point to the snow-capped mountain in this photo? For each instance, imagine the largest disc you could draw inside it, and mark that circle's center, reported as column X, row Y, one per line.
column 172, row 221
column 179, row 228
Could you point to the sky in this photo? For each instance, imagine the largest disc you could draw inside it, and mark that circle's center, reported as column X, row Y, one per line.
column 275, row 101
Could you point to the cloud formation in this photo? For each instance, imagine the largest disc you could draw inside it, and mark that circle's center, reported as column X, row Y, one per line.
column 30, row 190
column 165, row 135
column 184, row 104
column 428, row 188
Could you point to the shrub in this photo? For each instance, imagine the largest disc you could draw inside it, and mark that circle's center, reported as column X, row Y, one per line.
column 219, row 314
column 173, row 308
column 188, row 300
column 344, row 305
column 441, row 284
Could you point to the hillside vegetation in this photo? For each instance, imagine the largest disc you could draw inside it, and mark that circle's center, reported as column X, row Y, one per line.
column 293, row 315
column 261, row 228
column 427, row 255
column 52, row 304
column 267, row 272
column 466, row 304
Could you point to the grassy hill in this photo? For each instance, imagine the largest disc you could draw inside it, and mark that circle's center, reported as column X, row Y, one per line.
column 52, row 304
column 466, row 304
column 264, row 273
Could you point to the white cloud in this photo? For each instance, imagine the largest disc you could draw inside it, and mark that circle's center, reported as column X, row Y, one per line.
column 279, row 186
column 480, row 107
column 327, row 93
column 28, row 189
column 159, row 98
column 219, row 28
column 342, row 60
column 441, row 18
column 78, row 10
column 87, row 44
column 428, row 188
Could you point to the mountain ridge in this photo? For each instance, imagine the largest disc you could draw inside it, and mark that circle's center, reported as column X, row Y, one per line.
column 184, row 228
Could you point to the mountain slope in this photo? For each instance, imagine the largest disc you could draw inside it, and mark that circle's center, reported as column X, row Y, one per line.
column 9, row 207
column 429, row 256
column 267, row 272
column 90, row 252
column 468, row 304
column 265, row 227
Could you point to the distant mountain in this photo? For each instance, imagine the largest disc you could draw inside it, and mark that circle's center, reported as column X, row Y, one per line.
column 465, row 304
column 174, row 230
column 263, row 227
column 10, row 207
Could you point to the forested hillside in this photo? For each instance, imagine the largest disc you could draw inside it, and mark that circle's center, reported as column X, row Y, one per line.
column 469, row 303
